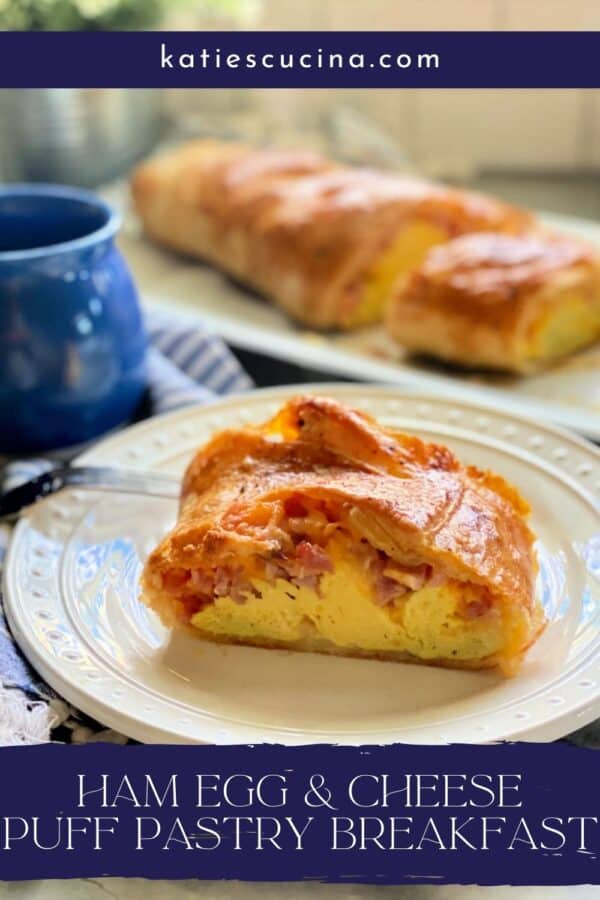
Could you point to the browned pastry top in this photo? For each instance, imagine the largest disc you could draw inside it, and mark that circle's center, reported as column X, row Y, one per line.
column 417, row 496
column 488, row 271
column 245, row 181
column 293, row 224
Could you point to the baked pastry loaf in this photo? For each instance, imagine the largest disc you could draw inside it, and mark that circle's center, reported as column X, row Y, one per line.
column 322, row 531
column 500, row 301
column 323, row 241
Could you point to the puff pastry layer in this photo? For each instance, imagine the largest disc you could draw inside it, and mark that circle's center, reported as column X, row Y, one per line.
column 324, row 242
column 322, row 531
column 499, row 301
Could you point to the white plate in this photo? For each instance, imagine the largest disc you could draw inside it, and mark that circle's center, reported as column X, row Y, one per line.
column 72, row 601
column 569, row 394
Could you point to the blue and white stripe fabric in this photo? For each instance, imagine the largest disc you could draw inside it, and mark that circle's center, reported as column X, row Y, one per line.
column 15, row 672
column 186, row 365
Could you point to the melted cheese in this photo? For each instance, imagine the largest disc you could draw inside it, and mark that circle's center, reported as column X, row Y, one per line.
column 425, row 623
column 406, row 252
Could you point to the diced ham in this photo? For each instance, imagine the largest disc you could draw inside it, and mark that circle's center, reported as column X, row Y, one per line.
column 313, row 559
column 304, row 568
column 273, row 571
column 387, row 590
column 289, row 571
column 393, row 580
column 412, row 577
column 479, row 607
column 230, row 583
column 437, row 579
column 201, row 581
column 238, row 592
column 222, row 583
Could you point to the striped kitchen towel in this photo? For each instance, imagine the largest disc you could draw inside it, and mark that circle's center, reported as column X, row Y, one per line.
column 186, row 365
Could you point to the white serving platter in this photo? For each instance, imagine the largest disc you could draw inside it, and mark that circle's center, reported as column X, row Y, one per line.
column 569, row 394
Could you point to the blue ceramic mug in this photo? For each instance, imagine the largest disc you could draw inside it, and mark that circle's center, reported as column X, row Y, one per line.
column 72, row 343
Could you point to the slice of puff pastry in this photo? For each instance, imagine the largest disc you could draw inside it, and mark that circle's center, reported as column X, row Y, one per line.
column 322, row 531
column 507, row 302
column 324, row 242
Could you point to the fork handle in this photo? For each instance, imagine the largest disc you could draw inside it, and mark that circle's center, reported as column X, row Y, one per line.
column 94, row 478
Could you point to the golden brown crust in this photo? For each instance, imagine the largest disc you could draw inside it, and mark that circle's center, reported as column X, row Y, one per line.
column 303, row 231
column 478, row 299
column 426, row 505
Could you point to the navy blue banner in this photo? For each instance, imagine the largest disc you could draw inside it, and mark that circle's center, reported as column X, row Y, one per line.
column 300, row 59
column 518, row 814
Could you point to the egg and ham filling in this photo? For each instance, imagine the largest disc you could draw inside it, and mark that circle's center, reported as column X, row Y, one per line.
column 322, row 585
column 515, row 303
column 572, row 322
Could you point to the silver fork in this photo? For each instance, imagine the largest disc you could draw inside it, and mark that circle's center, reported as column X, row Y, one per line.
column 94, row 478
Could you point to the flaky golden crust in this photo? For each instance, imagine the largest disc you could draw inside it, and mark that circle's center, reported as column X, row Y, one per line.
column 479, row 299
column 417, row 499
column 301, row 230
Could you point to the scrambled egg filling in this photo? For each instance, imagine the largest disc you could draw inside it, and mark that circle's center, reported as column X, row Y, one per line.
column 406, row 252
column 425, row 623
column 570, row 325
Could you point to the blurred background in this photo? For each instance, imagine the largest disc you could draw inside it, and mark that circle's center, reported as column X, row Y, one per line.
column 540, row 148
